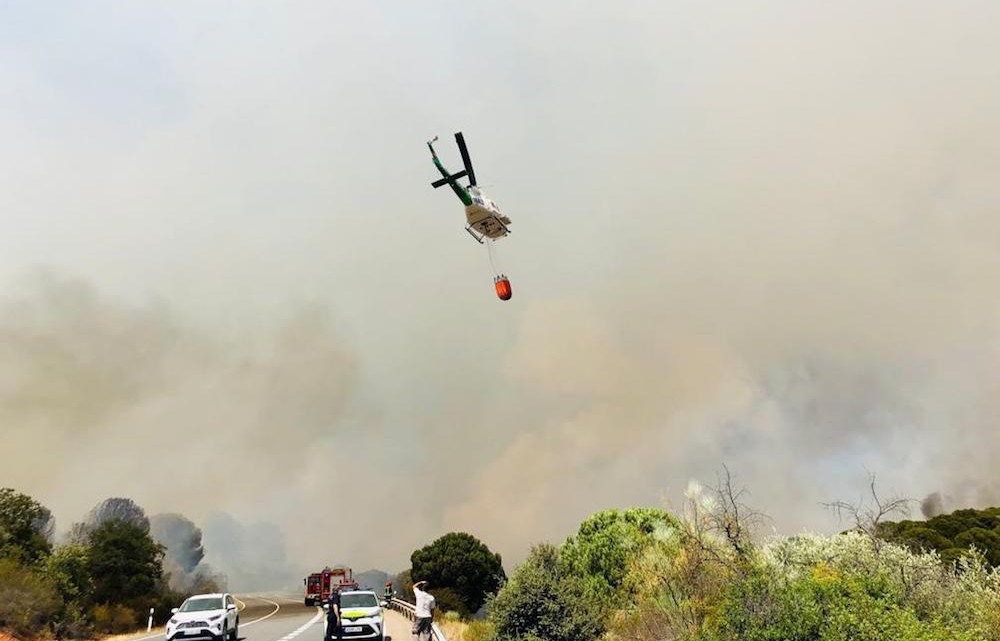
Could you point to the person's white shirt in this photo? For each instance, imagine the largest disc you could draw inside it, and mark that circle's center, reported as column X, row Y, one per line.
column 425, row 603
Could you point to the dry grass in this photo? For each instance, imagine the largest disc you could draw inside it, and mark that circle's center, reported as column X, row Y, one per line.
column 130, row 636
column 453, row 630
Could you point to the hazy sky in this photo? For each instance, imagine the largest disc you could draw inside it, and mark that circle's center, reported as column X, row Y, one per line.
column 760, row 234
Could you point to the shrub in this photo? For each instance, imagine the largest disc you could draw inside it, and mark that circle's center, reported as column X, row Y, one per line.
column 479, row 631
column 544, row 600
column 449, row 601
column 27, row 601
column 114, row 618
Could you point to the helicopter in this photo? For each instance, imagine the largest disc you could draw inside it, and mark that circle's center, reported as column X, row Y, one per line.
column 482, row 214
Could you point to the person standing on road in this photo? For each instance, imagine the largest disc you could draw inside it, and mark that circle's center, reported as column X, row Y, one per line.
column 333, row 615
column 424, row 611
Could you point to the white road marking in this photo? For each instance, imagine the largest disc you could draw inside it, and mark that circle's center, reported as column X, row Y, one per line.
column 291, row 635
column 268, row 616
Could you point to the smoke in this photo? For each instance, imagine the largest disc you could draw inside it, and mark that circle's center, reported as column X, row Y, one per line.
column 932, row 505
column 94, row 381
column 252, row 556
column 182, row 539
column 182, row 562
column 45, row 524
column 761, row 236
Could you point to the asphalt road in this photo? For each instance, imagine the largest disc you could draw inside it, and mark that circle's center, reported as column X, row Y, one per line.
column 276, row 617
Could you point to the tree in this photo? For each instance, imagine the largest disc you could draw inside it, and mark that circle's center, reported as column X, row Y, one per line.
column 112, row 509
column 125, row 562
column 870, row 518
column 986, row 541
column 608, row 541
column 544, row 600
column 951, row 535
column 68, row 569
column 464, row 564
column 25, row 526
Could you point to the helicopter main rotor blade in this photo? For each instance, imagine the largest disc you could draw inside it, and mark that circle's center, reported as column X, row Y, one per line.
column 447, row 179
column 460, row 139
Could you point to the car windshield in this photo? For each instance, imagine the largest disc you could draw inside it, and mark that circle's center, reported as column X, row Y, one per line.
column 199, row 605
column 361, row 600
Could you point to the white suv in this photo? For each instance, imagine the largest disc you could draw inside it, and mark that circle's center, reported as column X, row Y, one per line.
column 205, row 615
column 361, row 615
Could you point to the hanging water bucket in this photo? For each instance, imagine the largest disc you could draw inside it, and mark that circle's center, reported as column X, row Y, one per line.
column 502, row 284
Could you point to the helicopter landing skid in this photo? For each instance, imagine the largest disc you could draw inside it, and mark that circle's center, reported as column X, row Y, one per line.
column 479, row 239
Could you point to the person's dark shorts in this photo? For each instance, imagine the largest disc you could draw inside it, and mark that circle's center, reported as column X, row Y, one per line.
column 422, row 625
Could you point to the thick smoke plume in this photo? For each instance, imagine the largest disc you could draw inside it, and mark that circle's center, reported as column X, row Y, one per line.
column 932, row 505
column 182, row 539
column 253, row 556
column 182, row 562
column 764, row 235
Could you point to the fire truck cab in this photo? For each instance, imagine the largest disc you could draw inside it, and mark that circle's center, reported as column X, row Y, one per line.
column 319, row 584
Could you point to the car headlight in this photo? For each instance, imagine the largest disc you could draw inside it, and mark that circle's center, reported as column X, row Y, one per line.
column 215, row 618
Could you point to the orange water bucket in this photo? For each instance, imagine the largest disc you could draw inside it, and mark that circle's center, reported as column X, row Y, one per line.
column 502, row 284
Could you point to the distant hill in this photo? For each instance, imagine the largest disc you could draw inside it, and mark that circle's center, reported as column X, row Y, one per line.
column 372, row 579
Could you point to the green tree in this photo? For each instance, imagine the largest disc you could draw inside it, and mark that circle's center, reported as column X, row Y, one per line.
column 125, row 562
column 607, row 542
column 924, row 538
column 543, row 600
column 462, row 563
column 68, row 569
column 952, row 535
column 986, row 541
column 24, row 525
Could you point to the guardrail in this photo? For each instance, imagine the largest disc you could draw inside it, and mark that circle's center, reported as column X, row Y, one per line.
column 408, row 610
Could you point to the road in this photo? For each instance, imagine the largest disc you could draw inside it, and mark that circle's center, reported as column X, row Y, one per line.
column 276, row 617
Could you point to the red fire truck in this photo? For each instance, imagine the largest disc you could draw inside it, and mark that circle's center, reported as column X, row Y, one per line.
column 319, row 584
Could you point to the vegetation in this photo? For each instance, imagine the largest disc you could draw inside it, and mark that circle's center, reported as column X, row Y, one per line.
column 950, row 535
column 24, row 524
column 647, row 575
column 570, row 592
column 104, row 580
column 545, row 599
column 462, row 571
